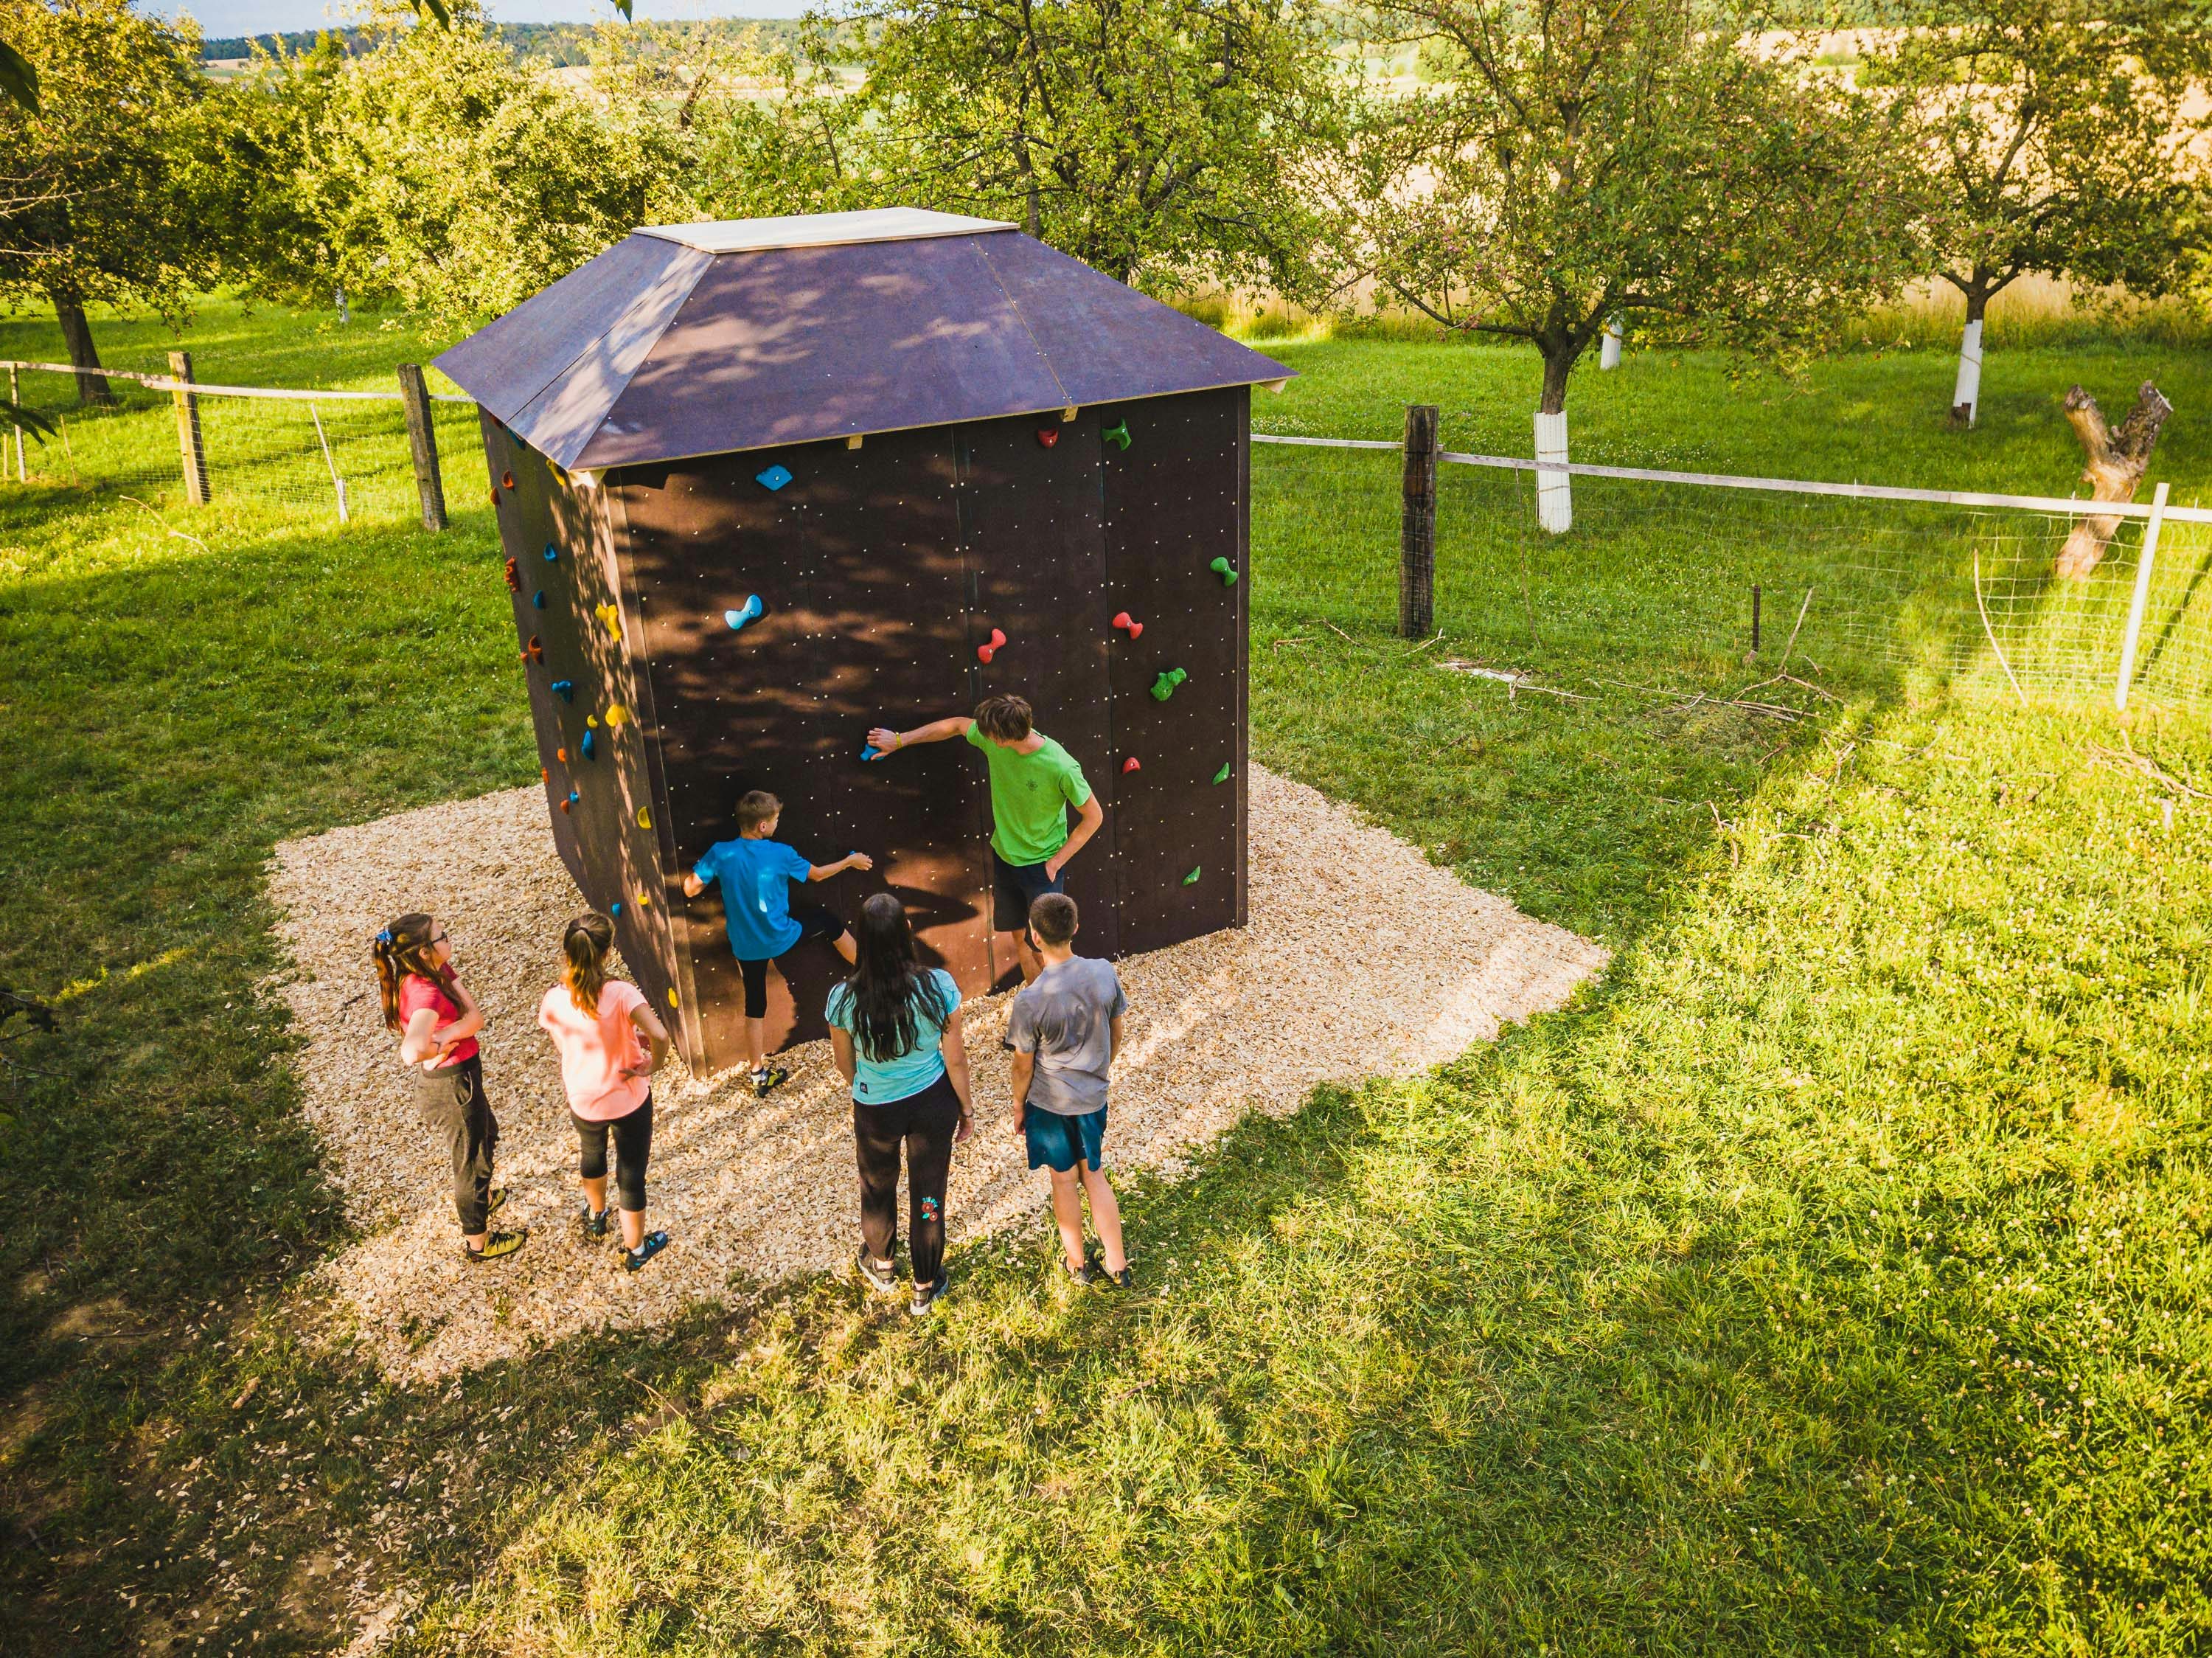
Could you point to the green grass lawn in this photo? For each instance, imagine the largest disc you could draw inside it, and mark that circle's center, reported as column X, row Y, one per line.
column 1830, row 1279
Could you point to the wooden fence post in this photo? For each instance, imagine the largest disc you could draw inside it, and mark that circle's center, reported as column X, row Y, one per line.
column 1416, row 526
column 423, row 439
column 189, row 444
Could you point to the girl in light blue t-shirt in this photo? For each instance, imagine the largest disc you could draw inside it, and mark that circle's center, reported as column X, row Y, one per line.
column 894, row 1029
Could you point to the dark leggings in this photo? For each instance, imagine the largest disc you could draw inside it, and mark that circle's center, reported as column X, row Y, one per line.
column 633, row 1151
column 924, row 1123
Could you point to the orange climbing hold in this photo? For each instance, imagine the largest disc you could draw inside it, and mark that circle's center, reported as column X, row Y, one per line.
column 534, row 651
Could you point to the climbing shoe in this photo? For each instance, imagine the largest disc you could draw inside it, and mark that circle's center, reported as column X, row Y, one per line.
column 1086, row 1275
column 767, row 1077
column 651, row 1244
column 497, row 1197
column 496, row 1244
column 595, row 1220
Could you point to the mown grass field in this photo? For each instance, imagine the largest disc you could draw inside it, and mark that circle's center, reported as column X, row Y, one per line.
column 1829, row 1279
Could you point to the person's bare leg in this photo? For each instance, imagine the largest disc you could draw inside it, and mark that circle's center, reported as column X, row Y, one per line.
column 475, row 1240
column 1025, row 956
column 1105, row 1215
column 633, row 1222
column 1067, row 1214
column 595, row 1193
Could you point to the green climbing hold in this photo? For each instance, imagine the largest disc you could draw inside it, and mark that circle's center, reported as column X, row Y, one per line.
column 1221, row 567
column 1164, row 686
column 1222, row 776
column 1117, row 435
column 1191, row 879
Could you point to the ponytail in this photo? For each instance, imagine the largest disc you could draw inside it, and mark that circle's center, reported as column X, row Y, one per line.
column 585, row 943
column 401, row 950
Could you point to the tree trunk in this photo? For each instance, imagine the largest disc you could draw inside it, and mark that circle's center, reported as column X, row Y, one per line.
column 1558, row 358
column 83, row 356
column 2117, row 461
column 1966, row 393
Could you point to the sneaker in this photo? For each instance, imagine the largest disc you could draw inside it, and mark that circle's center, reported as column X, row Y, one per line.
column 649, row 1245
column 926, row 1295
column 767, row 1077
column 595, row 1220
column 882, row 1279
column 496, row 1244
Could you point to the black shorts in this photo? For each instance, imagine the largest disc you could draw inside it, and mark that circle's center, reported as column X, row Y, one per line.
column 1014, row 887
column 814, row 921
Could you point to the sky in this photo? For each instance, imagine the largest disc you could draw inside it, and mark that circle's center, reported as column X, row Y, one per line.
column 220, row 17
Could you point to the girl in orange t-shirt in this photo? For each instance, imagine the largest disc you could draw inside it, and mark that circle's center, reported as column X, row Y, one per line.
column 601, row 1027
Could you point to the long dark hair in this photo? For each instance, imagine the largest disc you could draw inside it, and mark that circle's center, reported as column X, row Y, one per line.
column 402, row 950
column 888, row 985
column 585, row 943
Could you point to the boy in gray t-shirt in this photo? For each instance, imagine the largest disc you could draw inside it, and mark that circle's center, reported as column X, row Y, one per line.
column 1065, row 1029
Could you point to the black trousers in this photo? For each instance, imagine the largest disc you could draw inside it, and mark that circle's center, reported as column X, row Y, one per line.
column 452, row 1105
column 633, row 1150
column 923, row 1125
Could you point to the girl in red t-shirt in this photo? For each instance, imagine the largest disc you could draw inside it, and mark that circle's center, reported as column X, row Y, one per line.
column 436, row 1021
column 601, row 1027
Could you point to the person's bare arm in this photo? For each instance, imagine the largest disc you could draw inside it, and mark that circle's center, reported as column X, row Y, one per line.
column 1113, row 1038
column 850, row 861
column 419, row 1042
column 470, row 1022
column 656, row 1037
column 955, row 1048
column 693, row 886
column 1089, row 816
column 841, row 1053
column 1024, row 1067
column 884, row 741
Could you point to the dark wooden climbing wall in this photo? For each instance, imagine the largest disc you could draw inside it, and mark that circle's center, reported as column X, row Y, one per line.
column 615, row 857
column 880, row 570
column 1175, row 500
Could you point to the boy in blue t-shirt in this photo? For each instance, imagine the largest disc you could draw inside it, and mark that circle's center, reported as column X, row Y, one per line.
column 755, row 872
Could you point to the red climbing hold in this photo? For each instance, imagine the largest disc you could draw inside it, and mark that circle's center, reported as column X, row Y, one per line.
column 544, row 776
column 506, row 480
column 1121, row 621
column 1130, row 764
column 494, row 495
column 984, row 653
column 514, row 577
column 562, row 755
column 1048, row 436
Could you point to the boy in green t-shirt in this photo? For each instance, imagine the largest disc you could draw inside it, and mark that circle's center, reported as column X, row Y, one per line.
column 1033, row 782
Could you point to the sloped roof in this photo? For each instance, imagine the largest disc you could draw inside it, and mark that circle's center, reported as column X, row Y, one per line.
column 683, row 340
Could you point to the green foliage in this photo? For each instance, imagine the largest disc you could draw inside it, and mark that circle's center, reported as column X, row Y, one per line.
column 1592, row 160
column 1145, row 138
column 2057, row 136
column 101, row 186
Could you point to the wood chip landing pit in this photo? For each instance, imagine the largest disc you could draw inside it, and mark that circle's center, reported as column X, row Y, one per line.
column 1362, row 959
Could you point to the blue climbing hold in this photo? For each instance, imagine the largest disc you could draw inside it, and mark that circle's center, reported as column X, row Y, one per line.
column 538, row 599
column 751, row 612
column 565, row 690
column 551, row 552
column 589, row 744
column 871, row 753
column 773, row 479
column 615, row 908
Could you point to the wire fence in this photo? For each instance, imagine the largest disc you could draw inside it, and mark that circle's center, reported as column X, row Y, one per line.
column 342, row 455
column 1691, row 571
column 1661, row 570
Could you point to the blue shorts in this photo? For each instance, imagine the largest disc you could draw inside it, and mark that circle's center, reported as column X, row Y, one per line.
column 1057, row 1142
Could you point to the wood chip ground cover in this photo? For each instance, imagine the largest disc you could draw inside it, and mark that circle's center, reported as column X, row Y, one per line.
column 1362, row 959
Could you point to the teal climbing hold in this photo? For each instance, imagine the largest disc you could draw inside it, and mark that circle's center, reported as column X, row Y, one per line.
column 589, row 744
column 551, row 552
column 750, row 612
column 1191, row 879
column 538, row 600
column 1117, row 435
column 1222, row 776
column 1221, row 567
column 1164, row 686
column 615, row 908
column 773, row 479
column 565, row 690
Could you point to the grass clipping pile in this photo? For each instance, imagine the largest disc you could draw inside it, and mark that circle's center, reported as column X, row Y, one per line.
column 1361, row 958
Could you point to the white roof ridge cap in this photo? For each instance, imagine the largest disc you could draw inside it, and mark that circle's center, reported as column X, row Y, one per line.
column 821, row 230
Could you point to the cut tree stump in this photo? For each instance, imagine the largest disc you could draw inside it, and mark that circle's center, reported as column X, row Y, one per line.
column 2117, row 461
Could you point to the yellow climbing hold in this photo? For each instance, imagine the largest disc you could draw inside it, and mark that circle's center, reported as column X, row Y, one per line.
column 612, row 615
column 644, row 817
column 592, row 720
column 644, row 900
column 618, row 714
column 672, row 998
